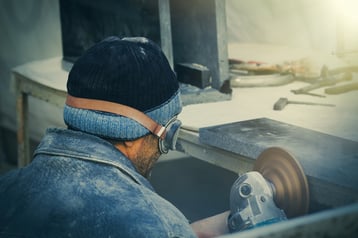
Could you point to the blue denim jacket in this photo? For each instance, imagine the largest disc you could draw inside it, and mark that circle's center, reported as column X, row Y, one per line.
column 79, row 185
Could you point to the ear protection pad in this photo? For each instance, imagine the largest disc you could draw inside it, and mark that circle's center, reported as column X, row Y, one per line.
column 171, row 136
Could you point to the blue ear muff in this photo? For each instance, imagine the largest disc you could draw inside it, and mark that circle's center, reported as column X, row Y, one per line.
column 171, row 136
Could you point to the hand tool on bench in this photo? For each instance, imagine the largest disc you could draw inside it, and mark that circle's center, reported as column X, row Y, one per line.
column 342, row 89
column 328, row 79
column 282, row 102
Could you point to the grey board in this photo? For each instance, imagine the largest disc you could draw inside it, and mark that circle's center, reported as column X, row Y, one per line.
column 199, row 36
column 330, row 162
column 86, row 22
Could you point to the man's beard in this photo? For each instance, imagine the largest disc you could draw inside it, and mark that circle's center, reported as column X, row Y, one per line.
column 146, row 159
column 145, row 165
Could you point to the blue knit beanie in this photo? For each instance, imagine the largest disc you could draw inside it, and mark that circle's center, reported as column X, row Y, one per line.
column 129, row 71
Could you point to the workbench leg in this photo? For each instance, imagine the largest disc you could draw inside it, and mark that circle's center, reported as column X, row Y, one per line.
column 165, row 30
column 23, row 144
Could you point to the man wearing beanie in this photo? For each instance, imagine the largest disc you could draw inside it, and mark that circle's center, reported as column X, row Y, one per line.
column 90, row 180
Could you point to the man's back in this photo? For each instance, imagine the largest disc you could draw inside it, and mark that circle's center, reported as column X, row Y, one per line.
column 81, row 186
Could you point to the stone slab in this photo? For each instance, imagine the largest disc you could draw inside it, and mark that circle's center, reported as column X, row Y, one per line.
column 330, row 162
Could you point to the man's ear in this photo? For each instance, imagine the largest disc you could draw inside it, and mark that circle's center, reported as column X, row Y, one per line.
column 134, row 143
column 131, row 148
column 129, row 144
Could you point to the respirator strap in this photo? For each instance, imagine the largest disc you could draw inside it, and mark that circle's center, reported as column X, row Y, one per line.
column 118, row 109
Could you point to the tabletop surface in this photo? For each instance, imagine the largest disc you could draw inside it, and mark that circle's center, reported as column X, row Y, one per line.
column 245, row 104
column 47, row 72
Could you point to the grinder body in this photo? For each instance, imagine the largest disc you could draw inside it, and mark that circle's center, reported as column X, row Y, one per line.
column 252, row 203
column 277, row 189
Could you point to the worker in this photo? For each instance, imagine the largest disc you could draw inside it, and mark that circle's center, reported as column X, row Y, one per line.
column 91, row 179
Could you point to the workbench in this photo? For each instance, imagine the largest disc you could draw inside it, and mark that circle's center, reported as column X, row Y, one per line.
column 253, row 103
column 46, row 80
column 331, row 130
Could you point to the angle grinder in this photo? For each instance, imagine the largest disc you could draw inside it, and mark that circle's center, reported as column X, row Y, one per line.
column 274, row 191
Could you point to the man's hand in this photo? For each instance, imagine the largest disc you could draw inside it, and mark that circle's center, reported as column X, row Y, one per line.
column 211, row 226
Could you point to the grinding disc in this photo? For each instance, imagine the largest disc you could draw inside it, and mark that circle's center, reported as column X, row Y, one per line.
column 291, row 191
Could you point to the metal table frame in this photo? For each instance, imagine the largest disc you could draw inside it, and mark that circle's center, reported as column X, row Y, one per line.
column 188, row 143
column 26, row 86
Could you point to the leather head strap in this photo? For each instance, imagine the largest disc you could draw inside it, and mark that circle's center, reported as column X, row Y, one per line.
column 118, row 109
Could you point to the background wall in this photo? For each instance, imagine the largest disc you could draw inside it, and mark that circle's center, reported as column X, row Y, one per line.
column 301, row 24
column 30, row 30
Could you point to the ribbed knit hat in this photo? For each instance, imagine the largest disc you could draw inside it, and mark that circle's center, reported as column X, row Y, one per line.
column 129, row 71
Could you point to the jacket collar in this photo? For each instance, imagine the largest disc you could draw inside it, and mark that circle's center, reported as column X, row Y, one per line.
column 79, row 145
